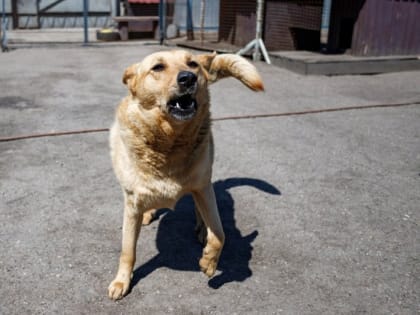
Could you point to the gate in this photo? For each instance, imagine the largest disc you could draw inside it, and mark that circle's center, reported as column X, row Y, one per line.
column 30, row 14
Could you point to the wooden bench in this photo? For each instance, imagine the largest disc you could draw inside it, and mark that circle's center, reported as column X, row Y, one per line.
column 127, row 24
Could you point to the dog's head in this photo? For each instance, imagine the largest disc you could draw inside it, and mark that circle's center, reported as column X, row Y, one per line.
column 175, row 82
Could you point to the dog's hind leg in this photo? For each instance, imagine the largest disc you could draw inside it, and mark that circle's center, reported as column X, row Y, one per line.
column 205, row 202
column 149, row 216
column 200, row 228
column 131, row 228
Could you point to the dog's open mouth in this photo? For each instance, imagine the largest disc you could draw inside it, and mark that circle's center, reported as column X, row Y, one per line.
column 183, row 107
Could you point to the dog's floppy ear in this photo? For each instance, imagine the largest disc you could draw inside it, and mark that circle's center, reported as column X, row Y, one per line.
column 229, row 65
column 129, row 77
column 206, row 59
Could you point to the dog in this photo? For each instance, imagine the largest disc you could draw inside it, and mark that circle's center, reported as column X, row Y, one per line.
column 162, row 147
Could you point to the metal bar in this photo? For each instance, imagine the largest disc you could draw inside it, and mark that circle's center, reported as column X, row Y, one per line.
column 325, row 25
column 3, row 27
column 85, row 21
column 15, row 14
column 161, row 29
column 257, row 44
column 202, row 17
column 164, row 14
column 258, row 32
column 117, row 8
column 50, row 6
column 69, row 14
column 247, row 48
column 264, row 52
column 190, row 28
column 38, row 18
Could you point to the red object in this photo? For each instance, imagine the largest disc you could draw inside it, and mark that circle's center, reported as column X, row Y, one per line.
column 144, row 1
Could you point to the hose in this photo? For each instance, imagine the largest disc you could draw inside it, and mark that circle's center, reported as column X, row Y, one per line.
column 254, row 116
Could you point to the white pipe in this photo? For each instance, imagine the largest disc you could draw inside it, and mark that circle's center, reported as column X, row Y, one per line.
column 325, row 24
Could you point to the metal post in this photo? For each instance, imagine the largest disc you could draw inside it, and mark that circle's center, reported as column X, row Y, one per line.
column 15, row 14
column 190, row 26
column 85, row 21
column 258, row 32
column 3, row 27
column 117, row 8
column 325, row 25
column 162, row 16
column 257, row 44
column 38, row 18
column 202, row 17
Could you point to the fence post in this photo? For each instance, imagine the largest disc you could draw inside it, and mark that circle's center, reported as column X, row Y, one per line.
column 3, row 28
column 85, row 21
column 325, row 25
column 190, row 25
column 161, row 21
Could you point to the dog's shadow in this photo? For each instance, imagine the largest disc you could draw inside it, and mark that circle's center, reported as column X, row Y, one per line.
column 179, row 249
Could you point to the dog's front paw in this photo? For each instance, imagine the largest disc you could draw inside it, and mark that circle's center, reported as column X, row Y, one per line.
column 211, row 254
column 117, row 289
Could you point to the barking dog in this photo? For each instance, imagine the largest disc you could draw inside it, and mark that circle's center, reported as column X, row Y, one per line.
column 162, row 147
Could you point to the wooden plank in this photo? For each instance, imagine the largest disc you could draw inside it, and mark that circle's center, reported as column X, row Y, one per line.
column 317, row 64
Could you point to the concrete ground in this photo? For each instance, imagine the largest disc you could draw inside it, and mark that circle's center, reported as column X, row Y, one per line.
column 321, row 211
column 31, row 37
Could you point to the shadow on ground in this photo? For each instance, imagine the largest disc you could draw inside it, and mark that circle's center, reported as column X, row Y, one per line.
column 180, row 250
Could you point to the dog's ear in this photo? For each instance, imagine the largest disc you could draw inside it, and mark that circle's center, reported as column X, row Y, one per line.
column 129, row 77
column 206, row 59
column 229, row 65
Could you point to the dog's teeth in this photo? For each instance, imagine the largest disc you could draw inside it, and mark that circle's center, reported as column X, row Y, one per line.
column 177, row 105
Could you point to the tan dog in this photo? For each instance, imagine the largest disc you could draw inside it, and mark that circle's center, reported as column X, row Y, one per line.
column 162, row 147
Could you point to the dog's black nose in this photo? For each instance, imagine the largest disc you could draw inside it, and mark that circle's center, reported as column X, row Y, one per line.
column 186, row 79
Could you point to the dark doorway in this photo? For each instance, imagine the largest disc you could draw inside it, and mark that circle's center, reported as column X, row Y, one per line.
column 305, row 39
column 346, row 34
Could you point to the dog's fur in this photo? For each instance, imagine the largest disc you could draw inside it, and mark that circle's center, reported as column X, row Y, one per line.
column 161, row 151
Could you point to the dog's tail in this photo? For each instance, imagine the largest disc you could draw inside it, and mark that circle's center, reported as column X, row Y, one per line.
column 229, row 65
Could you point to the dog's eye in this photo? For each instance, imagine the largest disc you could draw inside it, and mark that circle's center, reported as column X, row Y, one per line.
column 158, row 67
column 192, row 64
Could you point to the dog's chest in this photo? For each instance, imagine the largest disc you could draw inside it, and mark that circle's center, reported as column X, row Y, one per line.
column 159, row 176
column 157, row 193
column 161, row 187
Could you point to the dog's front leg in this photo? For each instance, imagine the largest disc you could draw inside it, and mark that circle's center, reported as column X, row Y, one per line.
column 131, row 228
column 205, row 201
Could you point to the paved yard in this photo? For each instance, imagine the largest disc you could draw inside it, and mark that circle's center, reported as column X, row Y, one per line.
column 321, row 211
